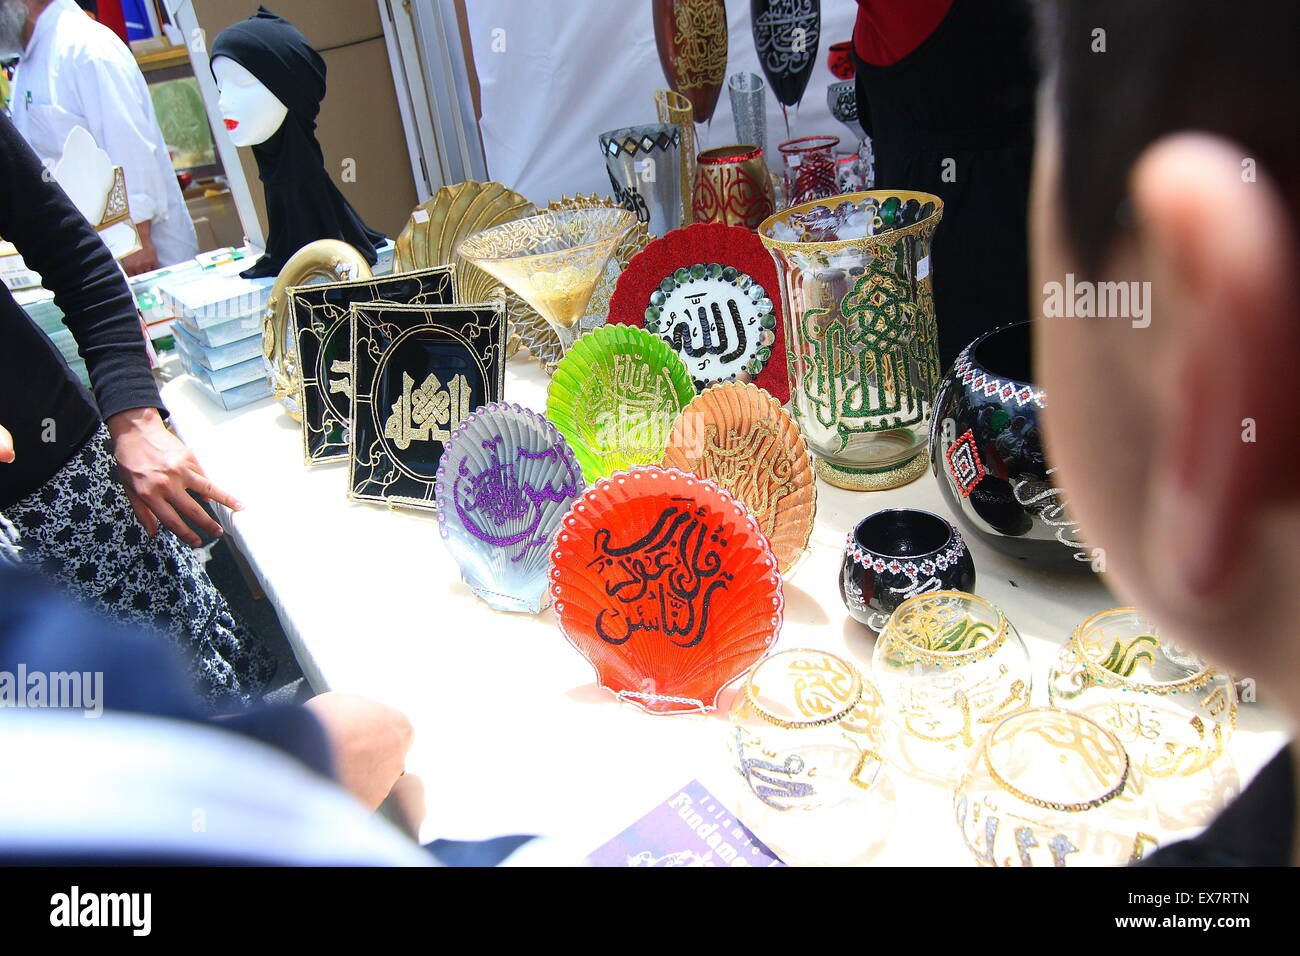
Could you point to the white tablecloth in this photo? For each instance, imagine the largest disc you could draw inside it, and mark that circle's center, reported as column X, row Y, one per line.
column 512, row 733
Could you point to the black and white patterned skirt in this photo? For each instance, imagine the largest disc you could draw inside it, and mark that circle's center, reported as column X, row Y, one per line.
column 79, row 529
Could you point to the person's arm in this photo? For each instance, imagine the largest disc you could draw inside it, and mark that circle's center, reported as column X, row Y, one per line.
column 119, row 115
column 56, row 241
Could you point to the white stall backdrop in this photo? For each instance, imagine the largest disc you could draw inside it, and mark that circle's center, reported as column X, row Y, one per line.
column 555, row 74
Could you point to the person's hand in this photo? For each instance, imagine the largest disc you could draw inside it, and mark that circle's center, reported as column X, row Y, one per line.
column 156, row 470
column 146, row 259
column 369, row 741
column 6, row 446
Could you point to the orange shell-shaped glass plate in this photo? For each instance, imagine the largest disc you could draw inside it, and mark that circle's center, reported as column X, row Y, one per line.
column 737, row 436
column 667, row 586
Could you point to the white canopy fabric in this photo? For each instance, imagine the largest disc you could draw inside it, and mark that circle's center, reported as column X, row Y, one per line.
column 554, row 74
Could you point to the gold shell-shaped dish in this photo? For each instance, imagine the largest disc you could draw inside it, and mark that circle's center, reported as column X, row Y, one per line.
column 535, row 333
column 325, row 260
column 437, row 226
column 739, row 437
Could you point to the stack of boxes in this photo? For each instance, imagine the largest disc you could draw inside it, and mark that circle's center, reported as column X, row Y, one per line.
column 218, row 332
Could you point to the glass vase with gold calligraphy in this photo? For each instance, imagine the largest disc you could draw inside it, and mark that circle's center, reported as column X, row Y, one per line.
column 862, row 345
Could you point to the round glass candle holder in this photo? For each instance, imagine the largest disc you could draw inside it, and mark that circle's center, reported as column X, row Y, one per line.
column 806, row 731
column 896, row 554
column 949, row 666
column 809, row 168
column 1052, row 788
column 1173, row 712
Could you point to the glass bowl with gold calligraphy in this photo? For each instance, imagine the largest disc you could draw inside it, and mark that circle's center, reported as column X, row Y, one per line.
column 1173, row 712
column 667, row 585
column 1049, row 787
column 949, row 666
column 505, row 481
column 806, row 731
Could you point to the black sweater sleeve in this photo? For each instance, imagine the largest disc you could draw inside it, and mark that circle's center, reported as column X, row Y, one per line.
column 89, row 288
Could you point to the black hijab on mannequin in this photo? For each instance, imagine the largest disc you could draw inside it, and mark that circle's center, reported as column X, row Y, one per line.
column 302, row 202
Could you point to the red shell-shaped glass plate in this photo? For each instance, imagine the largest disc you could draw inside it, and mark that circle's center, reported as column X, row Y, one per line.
column 667, row 586
column 703, row 243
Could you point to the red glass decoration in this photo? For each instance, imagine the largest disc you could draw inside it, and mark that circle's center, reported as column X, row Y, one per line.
column 667, row 586
column 691, row 36
column 732, row 186
column 705, row 244
column 840, row 60
column 809, row 169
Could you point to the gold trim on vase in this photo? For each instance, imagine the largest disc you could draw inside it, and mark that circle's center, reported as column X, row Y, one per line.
column 886, row 238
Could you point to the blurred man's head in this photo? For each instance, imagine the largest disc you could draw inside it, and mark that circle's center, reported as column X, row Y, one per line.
column 1168, row 155
column 17, row 21
column 13, row 19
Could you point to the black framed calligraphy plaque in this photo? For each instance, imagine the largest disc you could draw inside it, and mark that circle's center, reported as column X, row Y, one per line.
column 418, row 371
column 322, row 330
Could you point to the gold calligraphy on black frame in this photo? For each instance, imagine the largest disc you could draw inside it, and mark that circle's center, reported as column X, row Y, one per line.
column 417, row 373
column 321, row 317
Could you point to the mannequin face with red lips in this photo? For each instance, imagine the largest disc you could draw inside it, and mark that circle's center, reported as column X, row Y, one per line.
column 251, row 112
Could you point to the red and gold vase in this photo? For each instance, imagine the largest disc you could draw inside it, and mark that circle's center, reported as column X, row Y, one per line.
column 732, row 186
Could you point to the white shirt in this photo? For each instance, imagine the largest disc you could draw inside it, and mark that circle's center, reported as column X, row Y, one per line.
column 77, row 72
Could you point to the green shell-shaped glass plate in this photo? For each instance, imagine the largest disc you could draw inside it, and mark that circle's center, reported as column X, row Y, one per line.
column 614, row 397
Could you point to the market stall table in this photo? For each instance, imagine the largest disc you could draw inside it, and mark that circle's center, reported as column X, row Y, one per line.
column 512, row 733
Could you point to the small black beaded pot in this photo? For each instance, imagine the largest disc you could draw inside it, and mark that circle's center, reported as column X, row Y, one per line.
column 987, row 454
column 899, row 553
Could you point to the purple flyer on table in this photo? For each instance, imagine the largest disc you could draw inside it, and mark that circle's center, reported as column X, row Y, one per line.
column 690, row 828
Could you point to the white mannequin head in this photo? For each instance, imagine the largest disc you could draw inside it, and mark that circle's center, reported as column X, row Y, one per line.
column 252, row 113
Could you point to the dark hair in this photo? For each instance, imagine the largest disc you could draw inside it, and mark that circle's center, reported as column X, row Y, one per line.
column 1226, row 67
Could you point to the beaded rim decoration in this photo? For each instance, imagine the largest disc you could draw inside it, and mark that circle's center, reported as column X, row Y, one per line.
column 880, row 239
column 1105, row 677
column 1060, row 807
column 979, row 379
column 926, row 564
column 727, row 155
column 752, row 289
column 855, row 694
column 915, row 652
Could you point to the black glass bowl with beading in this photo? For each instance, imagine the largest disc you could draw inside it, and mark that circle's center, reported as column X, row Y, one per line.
column 986, row 451
column 896, row 554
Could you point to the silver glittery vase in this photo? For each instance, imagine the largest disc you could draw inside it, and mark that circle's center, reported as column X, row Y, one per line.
column 748, row 95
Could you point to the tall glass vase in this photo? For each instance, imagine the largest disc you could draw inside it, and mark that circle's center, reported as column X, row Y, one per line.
column 672, row 107
column 860, row 330
column 748, row 95
column 644, row 165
